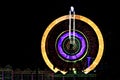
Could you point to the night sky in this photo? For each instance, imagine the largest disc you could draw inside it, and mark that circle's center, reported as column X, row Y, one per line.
column 23, row 24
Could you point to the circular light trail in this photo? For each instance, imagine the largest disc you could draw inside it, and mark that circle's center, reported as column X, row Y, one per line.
column 81, row 18
column 81, row 51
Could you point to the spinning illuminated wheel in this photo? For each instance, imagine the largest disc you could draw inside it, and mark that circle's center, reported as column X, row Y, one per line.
column 64, row 48
column 71, row 51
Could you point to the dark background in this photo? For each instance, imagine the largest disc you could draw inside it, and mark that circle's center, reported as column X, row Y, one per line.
column 23, row 23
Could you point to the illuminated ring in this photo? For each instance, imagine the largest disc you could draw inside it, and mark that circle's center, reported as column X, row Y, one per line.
column 81, row 51
column 78, row 45
column 93, row 26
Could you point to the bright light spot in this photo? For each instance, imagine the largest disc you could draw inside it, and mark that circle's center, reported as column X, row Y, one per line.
column 74, row 71
column 72, row 8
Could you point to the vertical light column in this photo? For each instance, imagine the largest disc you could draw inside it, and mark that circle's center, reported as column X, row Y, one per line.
column 88, row 61
column 21, row 76
column 73, row 17
column 63, row 78
column 72, row 20
column 12, row 75
column 32, row 76
column 70, row 26
column 2, row 75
